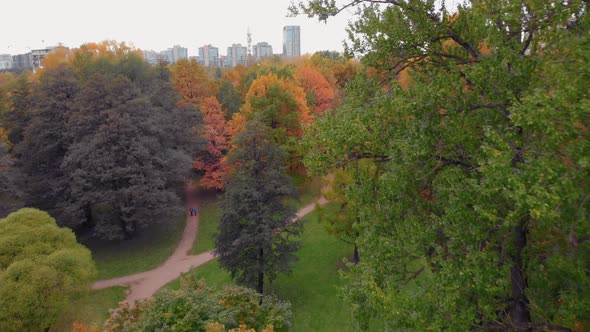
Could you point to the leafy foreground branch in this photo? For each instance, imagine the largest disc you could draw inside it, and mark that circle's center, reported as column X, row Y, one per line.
column 465, row 144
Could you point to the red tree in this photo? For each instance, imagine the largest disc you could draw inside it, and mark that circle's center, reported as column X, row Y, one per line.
column 217, row 136
column 320, row 94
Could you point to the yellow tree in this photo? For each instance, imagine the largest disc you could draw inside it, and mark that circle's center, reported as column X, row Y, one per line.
column 281, row 105
column 192, row 82
column 263, row 96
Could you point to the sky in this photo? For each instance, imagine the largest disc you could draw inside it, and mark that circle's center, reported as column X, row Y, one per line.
column 158, row 25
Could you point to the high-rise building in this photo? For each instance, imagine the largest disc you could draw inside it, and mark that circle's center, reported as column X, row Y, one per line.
column 5, row 61
column 291, row 41
column 208, row 56
column 154, row 58
column 261, row 50
column 237, row 54
column 175, row 53
column 22, row 61
column 34, row 59
column 37, row 56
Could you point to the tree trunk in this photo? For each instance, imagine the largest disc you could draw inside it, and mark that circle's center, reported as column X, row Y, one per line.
column 126, row 234
column 88, row 215
column 520, row 314
column 355, row 258
column 260, row 287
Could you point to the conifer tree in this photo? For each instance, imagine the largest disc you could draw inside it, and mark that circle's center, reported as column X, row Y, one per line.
column 256, row 230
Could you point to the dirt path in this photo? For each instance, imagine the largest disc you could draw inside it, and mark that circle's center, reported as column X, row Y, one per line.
column 143, row 285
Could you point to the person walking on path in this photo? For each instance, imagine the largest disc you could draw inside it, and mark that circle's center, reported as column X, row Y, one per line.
column 193, row 211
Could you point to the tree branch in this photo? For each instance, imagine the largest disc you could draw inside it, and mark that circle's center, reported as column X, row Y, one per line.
column 473, row 52
column 414, row 275
column 524, row 327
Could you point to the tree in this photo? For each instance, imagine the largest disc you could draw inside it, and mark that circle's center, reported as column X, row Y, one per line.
column 216, row 133
column 341, row 221
column 41, row 268
column 142, row 152
column 102, row 145
column 11, row 195
column 196, row 307
column 256, row 227
column 229, row 97
column 15, row 115
column 191, row 81
column 473, row 218
column 281, row 105
column 320, row 94
column 41, row 149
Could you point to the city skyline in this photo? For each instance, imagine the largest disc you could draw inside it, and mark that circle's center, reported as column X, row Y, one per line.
column 152, row 27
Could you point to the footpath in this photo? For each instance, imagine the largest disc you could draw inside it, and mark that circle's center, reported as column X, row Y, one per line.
column 144, row 284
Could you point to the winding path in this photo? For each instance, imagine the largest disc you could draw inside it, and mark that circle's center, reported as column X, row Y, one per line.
column 144, row 284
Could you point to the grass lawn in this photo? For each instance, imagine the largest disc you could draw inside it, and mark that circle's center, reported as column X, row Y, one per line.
column 214, row 276
column 91, row 308
column 209, row 214
column 148, row 250
column 312, row 288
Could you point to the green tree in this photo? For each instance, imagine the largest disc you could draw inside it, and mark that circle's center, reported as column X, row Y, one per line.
column 15, row 115
column 195, row 306
column 143, row 151
column 473, row 214
column 11, row 195
column 41, row 268
column 256, row 228
column 230, row 98
column 106, row 151
column 40, row 152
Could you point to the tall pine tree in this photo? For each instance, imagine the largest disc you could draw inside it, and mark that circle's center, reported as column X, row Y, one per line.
column 256, row 231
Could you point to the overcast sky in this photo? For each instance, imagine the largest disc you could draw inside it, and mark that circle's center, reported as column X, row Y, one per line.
column 157, row 25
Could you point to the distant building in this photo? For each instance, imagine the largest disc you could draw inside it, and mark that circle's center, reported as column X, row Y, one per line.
column 209, row 56
column 34, row 59
column 37, row 56
column 5, row 61
column 153, row 58
column 237, row 54
column 261, row 50
column 174, row 54
column 193, row 58
column 291, row 41
column 22, row 61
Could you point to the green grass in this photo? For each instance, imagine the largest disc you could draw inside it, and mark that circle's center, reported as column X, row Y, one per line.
column 214, row 276
column 91, row 308
column 209, row 215
column 312, row 288
column 150, row 248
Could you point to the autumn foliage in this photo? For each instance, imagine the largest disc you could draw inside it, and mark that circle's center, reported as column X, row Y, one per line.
column 215, row 131
column 191, row 82
column 320, row 95
column 295, row 106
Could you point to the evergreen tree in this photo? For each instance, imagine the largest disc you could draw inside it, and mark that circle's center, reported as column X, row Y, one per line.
column 256, row 230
